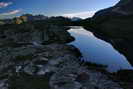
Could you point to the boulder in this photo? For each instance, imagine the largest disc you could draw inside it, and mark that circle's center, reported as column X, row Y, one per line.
column 30, row 33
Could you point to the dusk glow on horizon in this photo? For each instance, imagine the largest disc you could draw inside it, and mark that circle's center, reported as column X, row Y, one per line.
column 70, row 8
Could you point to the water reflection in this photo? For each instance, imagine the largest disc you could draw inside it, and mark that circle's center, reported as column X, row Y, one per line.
column 98, row 51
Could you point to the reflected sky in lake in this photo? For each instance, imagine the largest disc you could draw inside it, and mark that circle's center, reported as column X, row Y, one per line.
column 98, row 51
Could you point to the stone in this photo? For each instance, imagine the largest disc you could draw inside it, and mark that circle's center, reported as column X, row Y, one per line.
column 30, row 34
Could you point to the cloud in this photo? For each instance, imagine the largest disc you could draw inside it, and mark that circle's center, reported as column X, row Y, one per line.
column 11, row 13
column 82, row 15
column 5, row 4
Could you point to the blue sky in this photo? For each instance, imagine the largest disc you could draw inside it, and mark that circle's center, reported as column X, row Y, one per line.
column 10, row 8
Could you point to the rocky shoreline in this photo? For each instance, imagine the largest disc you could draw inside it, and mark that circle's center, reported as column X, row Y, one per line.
column 27, row 63
column 36, row 54
column 53, row 66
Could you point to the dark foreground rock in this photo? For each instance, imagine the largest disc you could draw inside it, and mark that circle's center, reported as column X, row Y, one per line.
column 115, row 24
column 29, row 67
column 53, row 66
column 127, row 77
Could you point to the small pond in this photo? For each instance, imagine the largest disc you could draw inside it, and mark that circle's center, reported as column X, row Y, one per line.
column 98, row 51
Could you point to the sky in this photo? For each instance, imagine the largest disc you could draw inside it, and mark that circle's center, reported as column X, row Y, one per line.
column 70, row 8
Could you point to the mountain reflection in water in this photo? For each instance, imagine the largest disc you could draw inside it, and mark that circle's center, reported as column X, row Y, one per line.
column 98, row 51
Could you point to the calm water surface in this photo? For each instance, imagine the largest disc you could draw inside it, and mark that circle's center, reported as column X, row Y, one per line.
column 98, row 51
